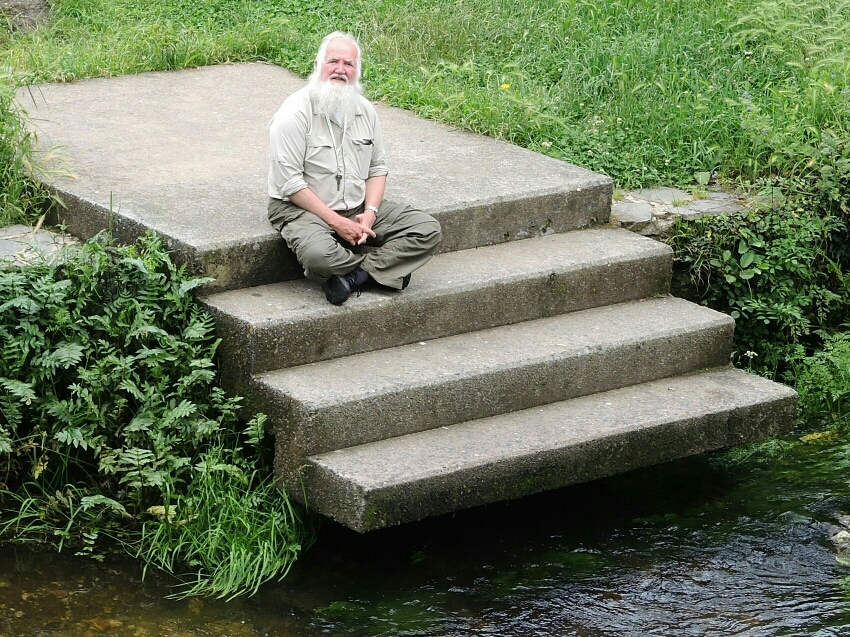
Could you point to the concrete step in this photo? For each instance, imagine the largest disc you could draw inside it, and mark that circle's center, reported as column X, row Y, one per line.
column 376, row 395
column 289, row 324
column 503, row 333
column 185, row 153
column 460, row 466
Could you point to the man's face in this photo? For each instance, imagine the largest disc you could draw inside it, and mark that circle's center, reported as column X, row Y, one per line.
column 340, row 66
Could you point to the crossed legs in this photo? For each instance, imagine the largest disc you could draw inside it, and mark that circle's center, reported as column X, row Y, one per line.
column 406, row 238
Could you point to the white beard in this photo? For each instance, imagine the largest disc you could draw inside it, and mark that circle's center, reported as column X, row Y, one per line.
column 333, row 99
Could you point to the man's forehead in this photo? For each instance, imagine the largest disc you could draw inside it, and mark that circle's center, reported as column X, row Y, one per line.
column 341, row 48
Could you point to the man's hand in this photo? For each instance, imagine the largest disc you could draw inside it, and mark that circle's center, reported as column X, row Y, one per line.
column 366, row 219
column 355, row 232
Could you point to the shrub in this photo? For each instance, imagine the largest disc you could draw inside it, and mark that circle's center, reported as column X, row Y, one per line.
column 823, row 381
column 110, row 415
column 770, row 269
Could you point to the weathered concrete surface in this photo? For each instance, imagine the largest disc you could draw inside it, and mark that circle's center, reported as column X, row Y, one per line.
column 186, row 154
column 481, row 332
column 22, row 244
column 396, row 391
column 286, row 324
column 507, row 456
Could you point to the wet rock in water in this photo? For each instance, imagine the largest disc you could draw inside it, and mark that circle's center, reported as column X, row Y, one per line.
column 24, row 15
column 104, row 624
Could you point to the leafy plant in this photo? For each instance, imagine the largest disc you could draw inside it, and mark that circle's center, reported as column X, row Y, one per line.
column 823, row 381
column 109, row 409
column 770, row 270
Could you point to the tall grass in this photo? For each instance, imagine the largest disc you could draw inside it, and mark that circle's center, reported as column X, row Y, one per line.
column 236, row 529
column 22, row 199
column 644, row 90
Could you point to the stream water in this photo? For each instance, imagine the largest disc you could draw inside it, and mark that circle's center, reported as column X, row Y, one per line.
column 687, row 548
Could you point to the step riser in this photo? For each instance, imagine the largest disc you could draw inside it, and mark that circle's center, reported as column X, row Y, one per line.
column 543, row 471
column 253, row 349
column 302, row 431
column 240, row 265
column 266, row 259
column 498, row 222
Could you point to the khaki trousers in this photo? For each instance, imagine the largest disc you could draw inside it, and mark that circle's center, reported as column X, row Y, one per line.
column 406, row 239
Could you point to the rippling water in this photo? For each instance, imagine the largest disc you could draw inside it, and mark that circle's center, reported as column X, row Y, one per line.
column 684, row 549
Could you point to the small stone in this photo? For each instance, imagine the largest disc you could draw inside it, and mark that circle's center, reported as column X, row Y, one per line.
column 632, row 213
column 703, row 207
column 663, row 225
column 664, row 196
column 104, row 624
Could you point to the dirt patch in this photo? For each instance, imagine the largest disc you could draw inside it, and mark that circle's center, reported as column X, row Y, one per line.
column 24, row 15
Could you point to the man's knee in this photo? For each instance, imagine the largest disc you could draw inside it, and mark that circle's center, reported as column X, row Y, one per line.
column 318, row 257
column 434, row 231
column 429, row 232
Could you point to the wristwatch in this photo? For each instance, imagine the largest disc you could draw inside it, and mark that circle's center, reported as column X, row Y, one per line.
column 373, row 209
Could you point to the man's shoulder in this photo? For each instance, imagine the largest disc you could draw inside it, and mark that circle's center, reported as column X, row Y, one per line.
column 295, row 108
column 297, row 100
column 366, row 106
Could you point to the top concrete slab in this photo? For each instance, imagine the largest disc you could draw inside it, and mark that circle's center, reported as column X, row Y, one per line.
column 186, row 154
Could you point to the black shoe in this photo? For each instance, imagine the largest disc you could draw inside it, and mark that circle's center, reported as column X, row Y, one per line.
column 405, row 281
column 340, row 286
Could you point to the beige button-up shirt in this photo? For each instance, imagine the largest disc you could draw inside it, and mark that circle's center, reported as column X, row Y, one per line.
column 312, row 151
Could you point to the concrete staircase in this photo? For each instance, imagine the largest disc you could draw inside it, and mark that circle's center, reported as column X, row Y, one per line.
column 503, row 371
column 540, row 349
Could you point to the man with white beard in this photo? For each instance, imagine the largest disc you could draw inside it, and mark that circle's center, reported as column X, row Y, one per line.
column 327, row 180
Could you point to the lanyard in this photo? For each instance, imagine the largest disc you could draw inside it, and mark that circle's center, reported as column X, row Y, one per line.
column 341, row 147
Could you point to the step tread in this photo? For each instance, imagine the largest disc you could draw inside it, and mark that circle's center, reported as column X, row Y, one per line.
column 431, row 363
column 585, row 438
column 185, row 153
column 532, row 431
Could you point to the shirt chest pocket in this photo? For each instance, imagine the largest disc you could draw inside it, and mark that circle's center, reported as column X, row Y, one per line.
column 320, row 156
column 362, row 149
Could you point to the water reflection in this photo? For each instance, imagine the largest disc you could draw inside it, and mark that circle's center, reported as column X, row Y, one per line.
column 682, row 549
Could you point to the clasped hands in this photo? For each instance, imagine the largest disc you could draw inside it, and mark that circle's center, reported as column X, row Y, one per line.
column 356, row 232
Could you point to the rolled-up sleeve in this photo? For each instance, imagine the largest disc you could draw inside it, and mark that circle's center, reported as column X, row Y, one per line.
column 378, row 164
column 287, row 148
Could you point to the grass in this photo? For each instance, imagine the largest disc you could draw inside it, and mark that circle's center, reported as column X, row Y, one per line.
column 238, row 531
column 643, row 90
column 21, row 199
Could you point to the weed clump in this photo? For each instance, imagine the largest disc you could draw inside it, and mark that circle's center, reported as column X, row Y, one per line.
column 112, row 425
column 22, row 198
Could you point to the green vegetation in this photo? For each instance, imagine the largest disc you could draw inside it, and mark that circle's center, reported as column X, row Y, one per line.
column 112, row 426
column 755, row 96
column 645, row 91
column 21, row 199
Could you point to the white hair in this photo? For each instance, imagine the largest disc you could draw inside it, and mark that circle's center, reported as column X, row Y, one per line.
column 329, row 98
column 323, row 49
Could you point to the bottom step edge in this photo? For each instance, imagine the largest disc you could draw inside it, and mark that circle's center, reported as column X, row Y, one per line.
column 505, row 457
